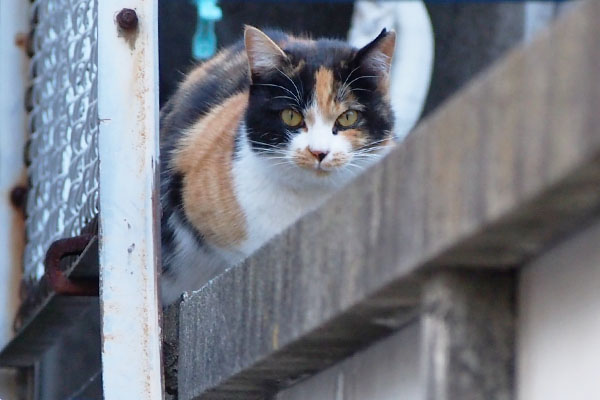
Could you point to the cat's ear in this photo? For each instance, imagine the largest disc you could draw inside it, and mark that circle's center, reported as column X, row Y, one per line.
column 263, row 53
column 377, row 55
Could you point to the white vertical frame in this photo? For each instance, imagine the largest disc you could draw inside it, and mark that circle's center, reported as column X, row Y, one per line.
column 13, row 78
column 129, row 252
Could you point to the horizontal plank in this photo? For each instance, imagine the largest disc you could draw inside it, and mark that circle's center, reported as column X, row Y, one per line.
column 497, row 174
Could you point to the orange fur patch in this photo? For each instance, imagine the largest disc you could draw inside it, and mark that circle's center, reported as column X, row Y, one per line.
column 356, row 137
column 198, row 73
column 324, row 89
column 204, row 157
column 305, row 159
column 325, row 97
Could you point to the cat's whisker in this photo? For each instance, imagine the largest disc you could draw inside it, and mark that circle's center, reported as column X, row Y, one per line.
column 349, row 75
column 280, row 87
column 367, row 156
column 263, row 143
column 290, row 79
column 289, row 162
column 347, row 86
column 273, row 154
column 374, row 148
column 354, row 170
column 287, row 97
column 360, row 77
column 289, row 135
column 370, row 150
column 360, row 90
column 302, row 89
column 372, row 143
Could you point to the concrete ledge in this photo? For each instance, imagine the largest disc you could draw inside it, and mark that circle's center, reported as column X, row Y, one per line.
column 499, row 173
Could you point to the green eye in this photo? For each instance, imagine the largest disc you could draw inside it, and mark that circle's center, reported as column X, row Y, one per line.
column 348, row 118
column 291, row 117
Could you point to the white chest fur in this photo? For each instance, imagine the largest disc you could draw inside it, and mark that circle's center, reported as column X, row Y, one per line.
column 271, row 197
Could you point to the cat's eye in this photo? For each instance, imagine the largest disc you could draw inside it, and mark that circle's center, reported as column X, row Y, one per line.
column 348, row 118
column 291, row 117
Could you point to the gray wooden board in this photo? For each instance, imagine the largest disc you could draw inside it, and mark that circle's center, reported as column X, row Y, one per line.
column 52, row 317
column 497, row 174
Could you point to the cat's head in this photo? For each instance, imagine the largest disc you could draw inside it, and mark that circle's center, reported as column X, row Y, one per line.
column 319, row 106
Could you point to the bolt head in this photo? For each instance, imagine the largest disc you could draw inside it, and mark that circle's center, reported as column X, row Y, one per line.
column 127, row 19
column 18, row 196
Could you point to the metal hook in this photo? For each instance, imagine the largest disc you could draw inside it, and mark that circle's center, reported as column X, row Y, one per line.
column 60, row 283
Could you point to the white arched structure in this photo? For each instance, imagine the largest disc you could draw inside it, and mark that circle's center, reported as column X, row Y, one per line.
column 413, row 59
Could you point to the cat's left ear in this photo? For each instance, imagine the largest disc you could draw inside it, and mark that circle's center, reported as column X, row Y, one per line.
column 263, row 53
column 377, row 55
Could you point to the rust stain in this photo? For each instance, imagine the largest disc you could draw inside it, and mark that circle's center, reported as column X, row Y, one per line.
column 17, row 244
column 18, row 198
column 127, row 29
column 108, row 337
column 23, row 41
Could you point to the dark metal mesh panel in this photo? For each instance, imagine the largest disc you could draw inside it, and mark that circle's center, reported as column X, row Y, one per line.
column 63, row 125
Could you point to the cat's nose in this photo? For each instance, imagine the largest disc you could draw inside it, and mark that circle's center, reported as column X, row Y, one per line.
column 319, row 155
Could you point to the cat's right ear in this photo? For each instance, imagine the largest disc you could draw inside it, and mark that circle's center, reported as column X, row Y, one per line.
column 263, row 53
column 377, row 55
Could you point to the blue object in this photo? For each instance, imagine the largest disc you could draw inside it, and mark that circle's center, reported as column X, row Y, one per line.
column 205, row 40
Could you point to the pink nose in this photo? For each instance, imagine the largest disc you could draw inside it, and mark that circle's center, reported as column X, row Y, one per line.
column 319, row 155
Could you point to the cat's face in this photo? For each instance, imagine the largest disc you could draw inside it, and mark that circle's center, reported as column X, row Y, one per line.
column 319, row 106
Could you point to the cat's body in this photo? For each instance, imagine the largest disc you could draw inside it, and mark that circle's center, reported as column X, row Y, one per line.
column 257, row 137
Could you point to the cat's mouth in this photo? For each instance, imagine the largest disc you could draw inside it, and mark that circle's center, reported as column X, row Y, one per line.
column 319, row 164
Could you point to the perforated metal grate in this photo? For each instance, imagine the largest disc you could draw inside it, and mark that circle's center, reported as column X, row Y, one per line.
column 63, row 125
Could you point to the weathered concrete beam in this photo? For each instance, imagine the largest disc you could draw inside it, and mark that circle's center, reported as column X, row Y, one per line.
column 501, row 171
column 468, row 327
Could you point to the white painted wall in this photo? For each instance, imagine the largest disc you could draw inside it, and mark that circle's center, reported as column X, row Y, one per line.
column 559, row 322
column 387, row 370
column 13, row 72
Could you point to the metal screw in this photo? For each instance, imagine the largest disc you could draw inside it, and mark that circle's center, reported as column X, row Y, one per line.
column 127, row 19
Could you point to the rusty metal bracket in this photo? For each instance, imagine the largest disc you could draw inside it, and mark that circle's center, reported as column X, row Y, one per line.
column 57, row 280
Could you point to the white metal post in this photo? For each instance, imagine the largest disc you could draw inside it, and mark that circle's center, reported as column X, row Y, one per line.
column 13, row 73
column 128, row 140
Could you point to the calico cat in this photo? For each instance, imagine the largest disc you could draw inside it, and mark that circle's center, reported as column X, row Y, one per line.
column 258, row 136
